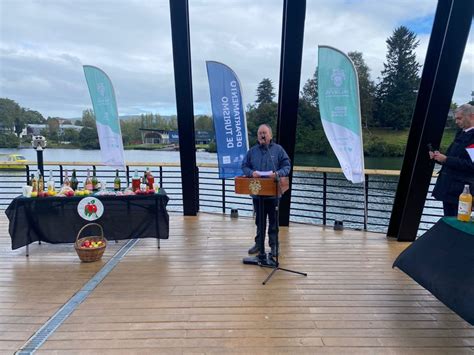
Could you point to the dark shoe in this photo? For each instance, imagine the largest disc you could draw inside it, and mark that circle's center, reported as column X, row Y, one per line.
column 274, row 251
column 254, row 249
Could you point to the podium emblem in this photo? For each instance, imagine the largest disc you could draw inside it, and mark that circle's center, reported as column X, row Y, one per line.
column 255, row 187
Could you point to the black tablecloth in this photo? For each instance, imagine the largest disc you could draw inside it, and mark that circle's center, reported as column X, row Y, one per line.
column 55, row 219
column 442, row 261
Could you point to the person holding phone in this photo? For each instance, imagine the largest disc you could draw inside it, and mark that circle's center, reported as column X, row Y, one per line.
column 457, row 166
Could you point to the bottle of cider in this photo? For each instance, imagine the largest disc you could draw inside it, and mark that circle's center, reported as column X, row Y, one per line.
column 465, row 205
column 50, row 182
column 74, row 181
column 150, row 179
column 40, row 182
column 95, row 182
column 117, row 181
column 34, row 183
column 66, row 181
column 135, row 181
column 88, row 183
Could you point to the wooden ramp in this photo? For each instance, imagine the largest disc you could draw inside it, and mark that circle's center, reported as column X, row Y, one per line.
column 194, row 295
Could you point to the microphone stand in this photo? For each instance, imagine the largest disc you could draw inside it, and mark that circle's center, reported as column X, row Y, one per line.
column 275, row 265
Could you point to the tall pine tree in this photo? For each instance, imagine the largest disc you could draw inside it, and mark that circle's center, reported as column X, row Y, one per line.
column 366, row 88
column 265, row 92
column 396, row 93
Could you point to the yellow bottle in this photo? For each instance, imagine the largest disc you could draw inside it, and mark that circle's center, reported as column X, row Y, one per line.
column 465, row 205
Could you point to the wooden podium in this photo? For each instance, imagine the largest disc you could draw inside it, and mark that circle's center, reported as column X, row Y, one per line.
column 261, row 186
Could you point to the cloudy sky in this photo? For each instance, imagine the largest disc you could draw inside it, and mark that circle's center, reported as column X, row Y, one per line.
column 43, row 45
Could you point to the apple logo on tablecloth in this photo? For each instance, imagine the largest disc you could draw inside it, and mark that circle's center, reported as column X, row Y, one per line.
column 90, row 208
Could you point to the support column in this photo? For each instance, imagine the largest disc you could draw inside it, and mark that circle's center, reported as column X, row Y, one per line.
column 179, row 12
column 450, row 32
column 294, row 13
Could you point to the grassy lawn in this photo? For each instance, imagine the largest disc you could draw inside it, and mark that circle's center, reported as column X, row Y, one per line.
column 399, row 138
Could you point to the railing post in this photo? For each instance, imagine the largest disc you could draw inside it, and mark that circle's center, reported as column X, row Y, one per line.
column 366, row 201
column 325, row 179
column 223, row 196
column 197, row 189
column 60, row 175
column 161, row 176
column 127, row 172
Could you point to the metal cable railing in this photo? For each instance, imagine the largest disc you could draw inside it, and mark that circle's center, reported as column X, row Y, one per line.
column 319, row 195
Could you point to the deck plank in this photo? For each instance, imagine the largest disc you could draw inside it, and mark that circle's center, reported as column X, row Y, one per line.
column 195, row 296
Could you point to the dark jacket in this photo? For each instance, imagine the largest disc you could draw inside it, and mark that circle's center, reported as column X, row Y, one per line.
column 457, row 170
column 262, row 159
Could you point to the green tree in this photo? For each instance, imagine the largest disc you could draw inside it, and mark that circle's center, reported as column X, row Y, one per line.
column 53, row 129
column 9, row 140
column 396, row 93
column 265, row 92
column 310, row 90
column 30, row 116
column 88, row 119
column 130, row 131
column 366, row 87
column 71, row 135
column 10, row 115
column 204, row 123
column 265, row 113
column 88, row 138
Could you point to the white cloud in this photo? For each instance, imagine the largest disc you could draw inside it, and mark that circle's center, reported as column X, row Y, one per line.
column 43, row 45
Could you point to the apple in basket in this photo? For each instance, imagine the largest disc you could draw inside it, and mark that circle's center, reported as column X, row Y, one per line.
column 86, row 244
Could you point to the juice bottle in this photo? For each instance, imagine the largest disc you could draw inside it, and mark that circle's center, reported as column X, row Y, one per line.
column 34, row 183
column 40, row 182
column 465, row 205
column 88, row 183
column 135, row 181
column 150, row 179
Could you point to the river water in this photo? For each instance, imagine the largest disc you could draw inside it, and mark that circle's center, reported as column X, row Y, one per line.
column 157, row 156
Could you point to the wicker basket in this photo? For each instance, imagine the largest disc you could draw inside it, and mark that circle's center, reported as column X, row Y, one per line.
column 88, row 255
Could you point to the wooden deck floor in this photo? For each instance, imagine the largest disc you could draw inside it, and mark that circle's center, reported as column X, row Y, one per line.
column 195, row 296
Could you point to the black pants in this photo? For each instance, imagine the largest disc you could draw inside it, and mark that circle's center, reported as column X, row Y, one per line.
column 270, row 209
column 450, row 209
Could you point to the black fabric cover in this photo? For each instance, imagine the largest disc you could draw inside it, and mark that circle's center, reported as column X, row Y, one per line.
column 55, row 219
column 442, row 261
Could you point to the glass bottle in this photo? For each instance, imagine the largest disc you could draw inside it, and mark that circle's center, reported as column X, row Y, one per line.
column 66, row 181
column 117, row 181
column 88, row 183
column 135, row 181
column 150, row 179
column 34, row 183
column 40, row 182
column 74, row 181
column 50, row 182
column 144, row 183
column 465, row 205
column 95, row 182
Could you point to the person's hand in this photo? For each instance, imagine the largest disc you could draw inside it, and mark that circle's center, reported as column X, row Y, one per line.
column 440, row 158
column 431, row 153
column 255, row 174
